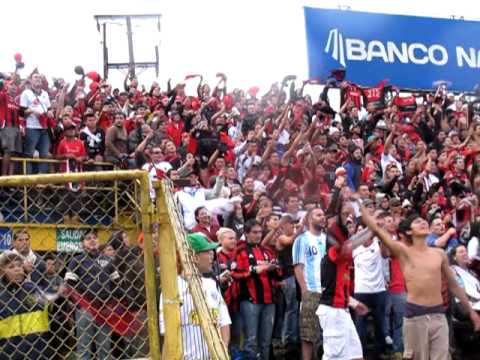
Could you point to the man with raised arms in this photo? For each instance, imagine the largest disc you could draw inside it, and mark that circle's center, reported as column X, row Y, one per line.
column 425, row 329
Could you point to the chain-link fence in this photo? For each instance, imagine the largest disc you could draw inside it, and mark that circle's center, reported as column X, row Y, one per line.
column 80, row 271
column 73, row 270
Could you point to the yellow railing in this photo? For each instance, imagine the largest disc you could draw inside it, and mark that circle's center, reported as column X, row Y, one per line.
column 90, row 188
column 53, row 162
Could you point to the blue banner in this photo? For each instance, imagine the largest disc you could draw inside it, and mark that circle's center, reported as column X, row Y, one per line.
column 6, row 236
column 410, row 51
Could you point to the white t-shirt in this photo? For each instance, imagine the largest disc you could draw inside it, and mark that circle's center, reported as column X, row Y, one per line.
column 194, row 345
column 284, row 137
column 368, row 264
column 387, row 159
column 245, row 162
column 153, row 174
column 472, row 248
column 40, row 103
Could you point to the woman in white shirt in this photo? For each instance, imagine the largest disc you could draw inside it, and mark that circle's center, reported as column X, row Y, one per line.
column 465, row 277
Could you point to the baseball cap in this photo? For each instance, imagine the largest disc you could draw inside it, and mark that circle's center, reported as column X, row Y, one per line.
column 200, row 242
column 381, row 125
column 406, row 203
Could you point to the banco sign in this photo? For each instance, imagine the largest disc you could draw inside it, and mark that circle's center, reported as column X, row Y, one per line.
column 410, row 51
column 345, row 49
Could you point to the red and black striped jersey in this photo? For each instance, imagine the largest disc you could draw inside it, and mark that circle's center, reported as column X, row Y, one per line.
column 335, row 270
column 257, row 288
column 335, row 278
column 226, row 261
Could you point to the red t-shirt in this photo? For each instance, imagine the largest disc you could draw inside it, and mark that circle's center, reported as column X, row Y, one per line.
column 397, row 281
column 9, row 111
column 175, row 130
column 105, row 121
column 74, row 147
column 129, row 125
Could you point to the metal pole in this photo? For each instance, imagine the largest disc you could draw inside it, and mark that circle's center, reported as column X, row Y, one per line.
column 150, row 283
column 172, row 348
column 131, row 59
column 105, row 56
column 93, row 176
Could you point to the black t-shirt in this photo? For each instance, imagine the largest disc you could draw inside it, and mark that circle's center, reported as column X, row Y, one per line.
column 94, row 141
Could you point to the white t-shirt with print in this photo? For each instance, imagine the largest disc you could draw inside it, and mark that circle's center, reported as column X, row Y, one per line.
column 194, row 345
column 368, row 265
column 40, row 104
column 387, row 159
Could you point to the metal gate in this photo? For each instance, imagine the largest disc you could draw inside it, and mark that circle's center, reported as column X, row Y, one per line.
column 83, row 257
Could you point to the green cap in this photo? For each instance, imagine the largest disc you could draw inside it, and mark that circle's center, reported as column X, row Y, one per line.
column 200, row 242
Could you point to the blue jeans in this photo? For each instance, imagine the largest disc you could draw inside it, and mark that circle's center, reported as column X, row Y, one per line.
column 236, row 330
column 88, row 331
column 290, row 320
column 376, row 303
column 257, row 328
column 395, row 307
column 37, row 139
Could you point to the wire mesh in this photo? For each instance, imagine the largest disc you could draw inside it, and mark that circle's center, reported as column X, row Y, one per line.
column 67, row 292
column 200, row 325
column 89, row 205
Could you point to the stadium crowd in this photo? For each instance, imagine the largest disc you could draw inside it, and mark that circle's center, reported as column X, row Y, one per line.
column 283, row 187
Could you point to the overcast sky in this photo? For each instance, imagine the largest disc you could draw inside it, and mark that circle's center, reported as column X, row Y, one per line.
column 255, row 42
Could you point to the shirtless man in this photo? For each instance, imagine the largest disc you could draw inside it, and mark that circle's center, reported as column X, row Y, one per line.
column 425, row 329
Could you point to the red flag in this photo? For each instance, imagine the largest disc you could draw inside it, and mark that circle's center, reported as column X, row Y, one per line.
column 121, row 320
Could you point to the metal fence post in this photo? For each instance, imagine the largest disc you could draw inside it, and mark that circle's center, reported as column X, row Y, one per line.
column 168, row 274
column 150, row 283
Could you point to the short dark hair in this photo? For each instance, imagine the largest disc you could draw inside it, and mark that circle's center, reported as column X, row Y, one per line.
column 89, row 232
column 250, row 224
column 289, row 196
column 405, row 224
column 383, row 214
column 118, row 113
column 271, row 215
column 49, row 256
column 197, row 211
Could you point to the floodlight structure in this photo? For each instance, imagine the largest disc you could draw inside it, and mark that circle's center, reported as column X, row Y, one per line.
column 131, row 65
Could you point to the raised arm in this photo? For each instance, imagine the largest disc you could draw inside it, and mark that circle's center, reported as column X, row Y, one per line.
column 270, row 145
column 397, row 248
column 219, row 113
column 291, row 149
column 388, row 141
